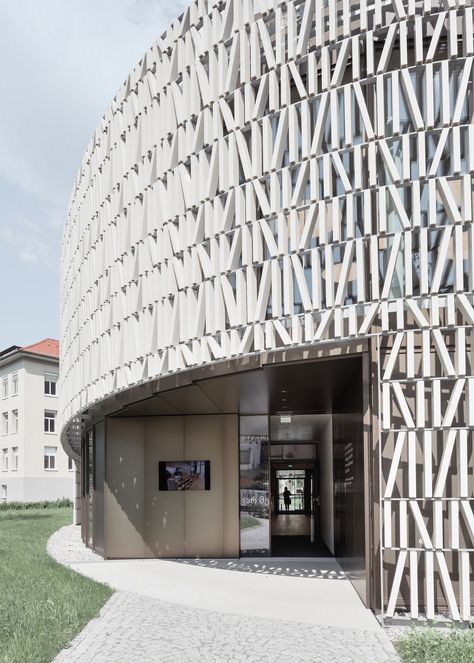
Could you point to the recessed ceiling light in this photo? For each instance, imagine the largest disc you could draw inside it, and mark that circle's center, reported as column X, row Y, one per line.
column 285, row 419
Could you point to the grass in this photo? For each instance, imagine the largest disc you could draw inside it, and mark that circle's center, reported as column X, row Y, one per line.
column 248, row 521
column 43, row 605
column 430, row 645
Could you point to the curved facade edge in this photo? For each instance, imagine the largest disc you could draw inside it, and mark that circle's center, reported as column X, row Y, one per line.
column 289, row 176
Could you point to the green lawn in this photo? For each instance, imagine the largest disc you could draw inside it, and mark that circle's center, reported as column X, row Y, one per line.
column 248, row 521
column 429, row 645
column 43, row 605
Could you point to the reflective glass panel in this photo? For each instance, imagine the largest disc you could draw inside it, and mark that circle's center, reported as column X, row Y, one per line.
column 254, row 486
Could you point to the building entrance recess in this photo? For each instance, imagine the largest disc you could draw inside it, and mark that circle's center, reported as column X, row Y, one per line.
column 295, row 424
column 302, row 467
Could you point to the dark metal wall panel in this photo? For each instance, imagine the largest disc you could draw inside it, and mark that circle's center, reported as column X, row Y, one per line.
column 99, row 474
column 349, row 509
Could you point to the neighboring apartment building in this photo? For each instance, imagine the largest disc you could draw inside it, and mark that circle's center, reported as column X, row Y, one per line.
column 33, row 465
column 268, row 282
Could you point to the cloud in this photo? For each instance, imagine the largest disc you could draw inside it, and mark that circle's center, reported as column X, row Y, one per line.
column 31, row 242
column 30, row 254
column 62, row 64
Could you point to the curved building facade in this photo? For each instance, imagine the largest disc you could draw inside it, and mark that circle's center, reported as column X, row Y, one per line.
column 267, row 283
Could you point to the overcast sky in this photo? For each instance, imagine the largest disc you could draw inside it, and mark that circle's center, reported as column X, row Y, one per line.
column 62, row 62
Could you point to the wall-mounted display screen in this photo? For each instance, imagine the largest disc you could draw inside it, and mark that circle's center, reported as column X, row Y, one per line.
column 184, row 475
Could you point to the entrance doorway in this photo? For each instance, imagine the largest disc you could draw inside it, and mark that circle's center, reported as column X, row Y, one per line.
column 295, row 523
column 309, row 447
column 316, row 412
column 291, row 488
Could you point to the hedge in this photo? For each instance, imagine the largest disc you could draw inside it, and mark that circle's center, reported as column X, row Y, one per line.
column 46, row 504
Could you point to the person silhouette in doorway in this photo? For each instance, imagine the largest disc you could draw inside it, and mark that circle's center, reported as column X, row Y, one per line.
column 287, row 499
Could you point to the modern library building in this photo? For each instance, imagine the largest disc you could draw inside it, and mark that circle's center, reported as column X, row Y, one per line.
column 267, row 297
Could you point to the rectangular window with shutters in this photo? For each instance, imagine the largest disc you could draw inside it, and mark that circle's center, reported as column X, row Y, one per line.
column 50, row 458
column 15, row 384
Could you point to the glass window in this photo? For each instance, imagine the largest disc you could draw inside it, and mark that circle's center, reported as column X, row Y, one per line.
column 14, row 421
column 3, row 493
column 49, row 421
column 14, row 458
column 5, row 459
column 4, row 387
column 70, row 463
column 5, row 423
column 15, row 384
column 50, row 384
column 254, row 486
column 50, row 458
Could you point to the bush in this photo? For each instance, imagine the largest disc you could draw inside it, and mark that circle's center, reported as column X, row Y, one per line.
column 436, row 645
column 23, row 506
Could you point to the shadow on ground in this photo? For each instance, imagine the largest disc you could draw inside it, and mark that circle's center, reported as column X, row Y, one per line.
column 320, row 568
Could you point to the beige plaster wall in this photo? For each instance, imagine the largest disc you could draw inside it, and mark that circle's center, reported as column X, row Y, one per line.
column 164, row 511
column 142, row 521
column 124, row 489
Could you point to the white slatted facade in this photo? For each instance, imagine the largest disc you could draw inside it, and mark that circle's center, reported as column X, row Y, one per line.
column 285, row 174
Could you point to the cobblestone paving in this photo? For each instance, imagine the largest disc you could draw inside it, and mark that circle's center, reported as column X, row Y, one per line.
column 137, row 629
column 66, row 547
column 132, row 628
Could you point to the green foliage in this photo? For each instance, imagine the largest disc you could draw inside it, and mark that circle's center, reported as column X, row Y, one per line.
column 436, row 645
column 22, row 506
column 43, row 605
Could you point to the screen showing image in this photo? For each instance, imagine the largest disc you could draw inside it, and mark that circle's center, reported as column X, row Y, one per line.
column 185, row 475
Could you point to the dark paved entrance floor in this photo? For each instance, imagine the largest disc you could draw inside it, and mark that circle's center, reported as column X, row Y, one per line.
column 286, row 524
column 291, row 537
column 298, row 546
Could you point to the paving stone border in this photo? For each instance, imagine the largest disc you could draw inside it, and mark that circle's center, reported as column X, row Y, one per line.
column 66, row 547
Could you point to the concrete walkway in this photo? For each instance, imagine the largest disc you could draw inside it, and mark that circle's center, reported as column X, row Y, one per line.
column 222, row 610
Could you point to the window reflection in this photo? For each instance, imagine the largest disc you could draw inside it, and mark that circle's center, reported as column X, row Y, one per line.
column 254, row 486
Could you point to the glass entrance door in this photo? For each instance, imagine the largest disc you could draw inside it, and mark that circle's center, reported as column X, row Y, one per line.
column 291, row 507
column 290, row 486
